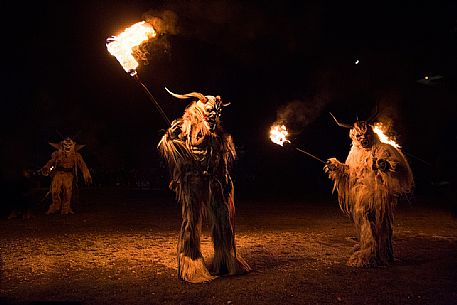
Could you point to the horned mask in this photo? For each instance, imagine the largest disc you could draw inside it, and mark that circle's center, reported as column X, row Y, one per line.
column 67, row 145
column 209, row 106
column 361, row 132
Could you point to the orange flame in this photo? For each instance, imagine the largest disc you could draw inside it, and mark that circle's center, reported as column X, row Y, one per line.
column 278, row 134
column 121, row 46
column 380, row 130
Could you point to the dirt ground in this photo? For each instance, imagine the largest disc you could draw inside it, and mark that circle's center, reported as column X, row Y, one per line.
column 120, row 248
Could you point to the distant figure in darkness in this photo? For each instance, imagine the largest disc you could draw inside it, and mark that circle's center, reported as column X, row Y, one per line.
column 369, row 185
column 23, row 195
column 199, row 154
column 63, row 168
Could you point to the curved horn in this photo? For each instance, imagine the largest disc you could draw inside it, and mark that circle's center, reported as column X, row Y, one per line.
column 372, row 117
column 55, row 145
column 79, row 146
column 340, row 124
column 200, row 96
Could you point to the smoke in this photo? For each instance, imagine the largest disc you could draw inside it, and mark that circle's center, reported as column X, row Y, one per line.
column 237, row 28
column 226, row 24
column 388, row 109
column 164, row 22
column 389, row 113
column 297, row 114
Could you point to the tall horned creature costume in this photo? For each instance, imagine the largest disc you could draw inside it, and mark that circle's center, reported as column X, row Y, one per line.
column 63, row 168
column 199, row 155
column 369, row 184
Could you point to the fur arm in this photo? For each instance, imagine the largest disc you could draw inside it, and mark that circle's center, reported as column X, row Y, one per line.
column 172, row 147
column 85, row 171
column 338, row 172
column 392, row 169
column 175, row 129
column 335, row 168
column 46, row 169
column 229, row 151
column 175, row 152
column 229, row 155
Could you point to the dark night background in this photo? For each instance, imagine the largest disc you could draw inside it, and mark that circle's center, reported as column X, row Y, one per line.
column 260, row 57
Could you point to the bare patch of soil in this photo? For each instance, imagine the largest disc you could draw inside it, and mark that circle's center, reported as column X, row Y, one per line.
column 120, row 248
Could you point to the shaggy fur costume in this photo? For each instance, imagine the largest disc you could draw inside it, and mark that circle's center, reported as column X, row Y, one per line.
column 199, row 155
column 369, row 184
column 63, row 168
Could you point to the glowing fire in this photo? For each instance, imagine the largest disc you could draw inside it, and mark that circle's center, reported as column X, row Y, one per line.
column 278, row 134
column 380, row 130
column 121, row 46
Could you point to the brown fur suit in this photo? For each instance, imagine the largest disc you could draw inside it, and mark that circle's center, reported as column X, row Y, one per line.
column 369, row 184
column 199, row 155
column 63, row 167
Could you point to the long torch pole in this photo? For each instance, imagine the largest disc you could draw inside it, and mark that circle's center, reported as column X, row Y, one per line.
column 153, row 100
column 311, row 155
column 417, row 158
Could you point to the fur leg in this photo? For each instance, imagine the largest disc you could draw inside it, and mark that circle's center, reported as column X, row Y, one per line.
column 385, row 249
column 55, row 205
column 366, row 255
column 56, row 188
column 191, row 266
column 53, row 208
column 67, row 193
column 193, row 270
column 229, row 264
column 225, row 261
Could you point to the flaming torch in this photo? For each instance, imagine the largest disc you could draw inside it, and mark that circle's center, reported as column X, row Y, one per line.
column 278, row 135
column 380, row 130
column 123, row 47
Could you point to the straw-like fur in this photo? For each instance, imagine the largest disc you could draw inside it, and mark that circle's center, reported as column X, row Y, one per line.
column 199, row 159
column 369, row 184
column 63, row 167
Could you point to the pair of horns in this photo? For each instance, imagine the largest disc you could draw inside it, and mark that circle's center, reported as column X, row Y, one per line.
column 369, row 120
column 200, row 96
column 77, row 146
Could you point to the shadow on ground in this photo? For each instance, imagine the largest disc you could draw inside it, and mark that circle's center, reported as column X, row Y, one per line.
column 119, row 248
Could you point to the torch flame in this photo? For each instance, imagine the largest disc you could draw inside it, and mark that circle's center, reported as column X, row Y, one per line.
column 121, row 46
column 278, row 134
column 380, row 130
